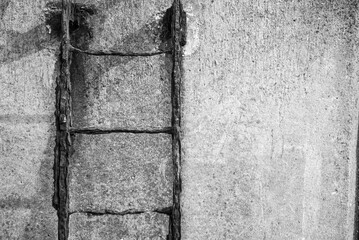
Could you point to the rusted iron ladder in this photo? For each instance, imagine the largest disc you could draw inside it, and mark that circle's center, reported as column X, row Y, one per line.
column 64, row 118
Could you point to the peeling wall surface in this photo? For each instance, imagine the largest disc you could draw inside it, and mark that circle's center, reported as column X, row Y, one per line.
column 269, row 119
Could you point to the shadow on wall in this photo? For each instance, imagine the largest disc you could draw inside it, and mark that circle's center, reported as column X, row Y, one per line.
column 28, row 217
column 84, row 65
column 34, row 214
column 40, row 223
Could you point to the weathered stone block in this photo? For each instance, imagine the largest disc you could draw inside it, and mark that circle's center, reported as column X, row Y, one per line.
column 121, row 91
column 108, row 227
column 120, row 171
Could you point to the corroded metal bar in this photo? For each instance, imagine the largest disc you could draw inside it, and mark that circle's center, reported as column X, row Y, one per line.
column 116, row 53
column 95, row 131
column 166, row 211
column 177, row 29
column 63, row 120
column 110, row 212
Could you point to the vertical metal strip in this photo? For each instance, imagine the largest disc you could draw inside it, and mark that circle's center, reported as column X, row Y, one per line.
column 63, row 125
column 176, row 117
column 356, row 213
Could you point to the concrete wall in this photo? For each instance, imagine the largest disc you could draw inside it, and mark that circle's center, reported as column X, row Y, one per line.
column 270, row 119
column 28, row 68
column 114, row 174
column 109, row 175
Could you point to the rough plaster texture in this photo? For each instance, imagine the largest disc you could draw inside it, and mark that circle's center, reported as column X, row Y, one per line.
column 118, row 172
column 269, row 117
column 130, row 227
column 269, row 120
column 121, row 171
column 123, row 92
column 27, row 83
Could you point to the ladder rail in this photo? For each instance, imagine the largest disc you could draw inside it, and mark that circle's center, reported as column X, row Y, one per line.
column 64, row 118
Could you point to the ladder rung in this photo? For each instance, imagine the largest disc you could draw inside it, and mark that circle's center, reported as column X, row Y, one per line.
column 115, row 53
column 110, row 212
column 166, row 211
column 94, row 131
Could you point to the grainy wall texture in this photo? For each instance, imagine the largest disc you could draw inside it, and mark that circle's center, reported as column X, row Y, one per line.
column 270, row 119
column 120, row 183
column 28, row 69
